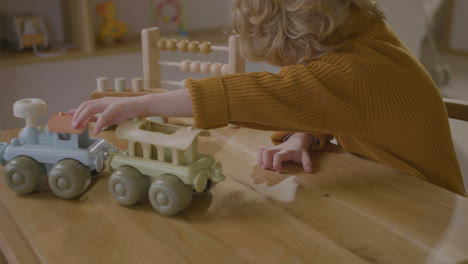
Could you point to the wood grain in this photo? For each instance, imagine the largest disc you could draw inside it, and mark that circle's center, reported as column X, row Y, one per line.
column 350, row 210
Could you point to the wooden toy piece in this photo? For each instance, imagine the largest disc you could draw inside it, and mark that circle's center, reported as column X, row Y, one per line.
column 193, row 46
column 137, row 85
column 205, row 67
column 162, row 162
column 61, row 123
column 215, row 68
column 67, row 155
column 171, row 45
column 183, row 45
column 111, row 29
column 236, row 60
column 225, row 69
column 162, row 44
column 120, row 84
column 30, row 109
column 205, row 47
column 185, row 65
column 195, row 66
column 151, row 54
column 102, row 84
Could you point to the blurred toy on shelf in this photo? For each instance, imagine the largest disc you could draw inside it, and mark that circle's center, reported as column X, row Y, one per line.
column 18, row 32
column 170, row 12
column 111, row 30
column 68, row 156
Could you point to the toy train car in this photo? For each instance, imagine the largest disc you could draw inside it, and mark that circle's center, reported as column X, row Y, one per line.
column 162, row 163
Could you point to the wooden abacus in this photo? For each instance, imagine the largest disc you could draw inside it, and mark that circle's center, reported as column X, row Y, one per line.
column 152, row 45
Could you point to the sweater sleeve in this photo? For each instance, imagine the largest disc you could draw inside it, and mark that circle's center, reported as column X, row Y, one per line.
column 300, row 98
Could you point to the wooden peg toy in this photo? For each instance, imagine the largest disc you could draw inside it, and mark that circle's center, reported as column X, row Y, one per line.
column 120, row 84
column 102, row 84
column 137, row 85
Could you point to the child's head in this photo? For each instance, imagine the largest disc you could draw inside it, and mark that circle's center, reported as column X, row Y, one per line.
column 286, row 32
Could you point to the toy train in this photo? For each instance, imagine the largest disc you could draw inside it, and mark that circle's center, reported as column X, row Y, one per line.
column 68, row 156
column 162, row 162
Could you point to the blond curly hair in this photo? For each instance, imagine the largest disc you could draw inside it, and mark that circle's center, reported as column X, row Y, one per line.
column 288, row 32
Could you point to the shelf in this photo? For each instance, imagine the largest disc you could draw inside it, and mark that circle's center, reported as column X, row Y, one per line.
column 7, row 59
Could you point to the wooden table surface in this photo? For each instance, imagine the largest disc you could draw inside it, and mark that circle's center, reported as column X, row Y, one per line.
column 350, row 210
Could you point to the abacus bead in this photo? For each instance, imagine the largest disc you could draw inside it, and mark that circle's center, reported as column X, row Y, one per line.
column 225, row 69
column 193, row 46
column 205, row 47
column 216, row 68
column 171, row 44
column 205, row 67
column 185, row 65
column 162, row 44
column 195, row 66
column 183, row 45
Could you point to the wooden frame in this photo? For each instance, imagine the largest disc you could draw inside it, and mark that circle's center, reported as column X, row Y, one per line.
column 152, row 45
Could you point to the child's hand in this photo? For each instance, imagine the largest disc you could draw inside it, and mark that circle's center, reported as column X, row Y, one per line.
column 295, row 148
column 114, row 110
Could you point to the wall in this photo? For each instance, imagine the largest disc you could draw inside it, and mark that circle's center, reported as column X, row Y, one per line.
column 140, row 14
column 459, row 33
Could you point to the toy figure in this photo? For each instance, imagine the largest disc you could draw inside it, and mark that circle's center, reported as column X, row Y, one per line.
column 111, row 29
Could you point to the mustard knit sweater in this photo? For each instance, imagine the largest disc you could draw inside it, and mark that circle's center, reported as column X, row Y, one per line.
column 372, row 95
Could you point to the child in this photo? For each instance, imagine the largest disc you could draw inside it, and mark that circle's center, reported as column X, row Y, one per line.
column 346, row 75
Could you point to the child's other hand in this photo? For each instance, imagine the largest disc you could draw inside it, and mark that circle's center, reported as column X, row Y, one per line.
column 295, row 148
column 114, row 110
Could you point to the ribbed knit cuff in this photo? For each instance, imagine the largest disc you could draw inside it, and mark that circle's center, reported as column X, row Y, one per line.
column 279, row 137
column 209, row 103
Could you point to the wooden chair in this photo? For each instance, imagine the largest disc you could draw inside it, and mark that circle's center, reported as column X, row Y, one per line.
column 457, row 109
column 458, row 113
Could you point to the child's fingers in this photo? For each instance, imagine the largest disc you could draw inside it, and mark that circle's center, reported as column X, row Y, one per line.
column 71, row 111
column 259, row 156
column 267, row 158
column 86, row 113
column 278, row 160
column 306, row 161
column 93, row 119
column 105, row 119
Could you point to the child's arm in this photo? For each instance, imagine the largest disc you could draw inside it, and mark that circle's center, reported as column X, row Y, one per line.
column 314, row 98
column 117, row 109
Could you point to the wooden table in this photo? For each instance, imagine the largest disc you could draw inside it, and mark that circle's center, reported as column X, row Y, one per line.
column 350, row 210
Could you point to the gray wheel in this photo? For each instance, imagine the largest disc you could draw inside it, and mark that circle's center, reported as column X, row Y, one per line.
column 24, row 174
column 69, row 178
column 169, row 195
column 128, row 186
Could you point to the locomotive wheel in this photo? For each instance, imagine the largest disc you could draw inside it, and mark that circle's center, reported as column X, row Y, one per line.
column 24, row 175
column 69, row 178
